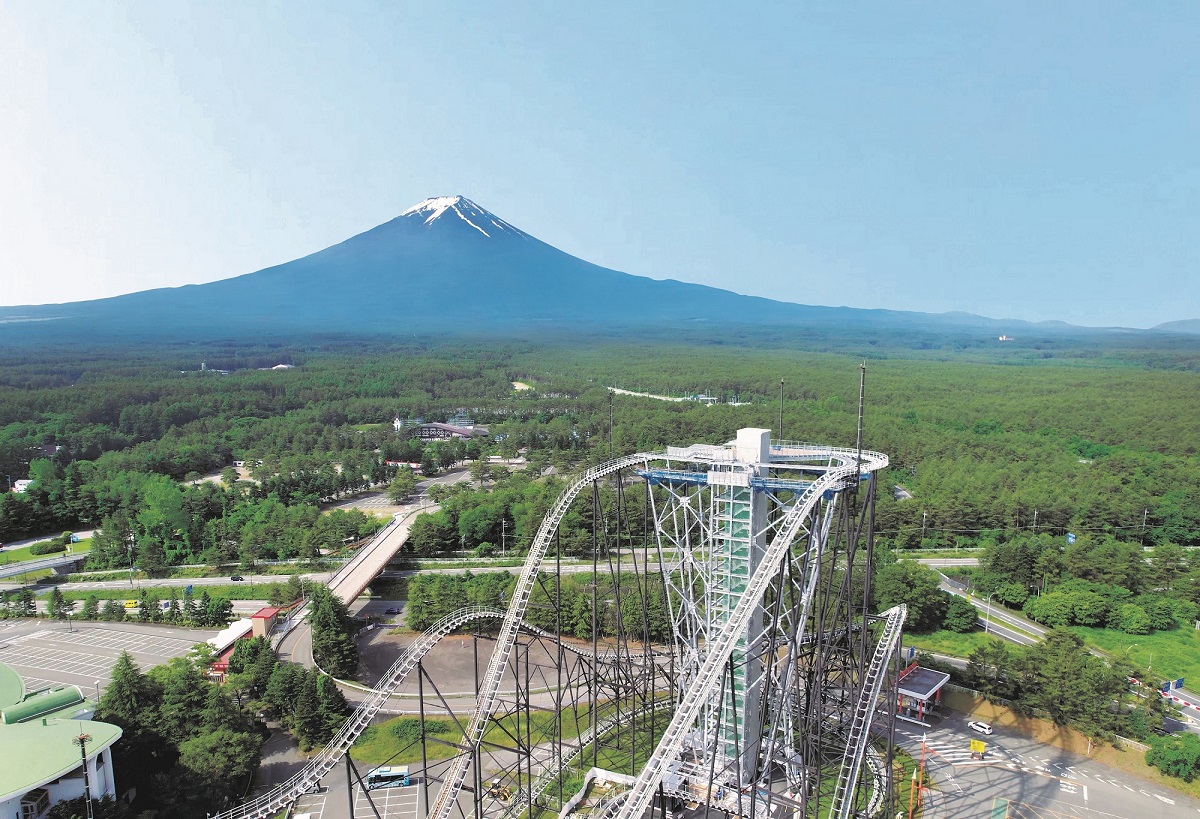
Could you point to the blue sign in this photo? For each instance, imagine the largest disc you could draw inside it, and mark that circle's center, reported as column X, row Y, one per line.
column 188, row 589
column 1166, row 687
column 1178, row 683
column 1070, row 537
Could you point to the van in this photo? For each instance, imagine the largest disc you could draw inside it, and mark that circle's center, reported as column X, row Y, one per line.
column 131, row 604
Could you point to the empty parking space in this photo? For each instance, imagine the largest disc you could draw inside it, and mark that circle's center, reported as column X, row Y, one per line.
column 51, row 654
column 310, row 805
column 392, row 803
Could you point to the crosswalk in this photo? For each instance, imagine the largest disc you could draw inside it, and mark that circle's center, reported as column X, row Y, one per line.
column 1072, row 779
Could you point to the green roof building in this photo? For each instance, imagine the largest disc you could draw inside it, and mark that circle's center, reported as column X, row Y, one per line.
column 40, row 746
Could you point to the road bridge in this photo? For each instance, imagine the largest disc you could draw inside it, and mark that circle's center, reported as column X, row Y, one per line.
column 61, row 564
column 352, row 578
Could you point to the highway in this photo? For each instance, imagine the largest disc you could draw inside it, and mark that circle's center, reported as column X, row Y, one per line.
column 1017, row 629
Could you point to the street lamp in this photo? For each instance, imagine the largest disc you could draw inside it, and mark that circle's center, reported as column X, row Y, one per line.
column 130, row 546
column 97, row 684
column 988, row 616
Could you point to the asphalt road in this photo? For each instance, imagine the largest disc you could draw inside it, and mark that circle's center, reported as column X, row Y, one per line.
column 1029, row 779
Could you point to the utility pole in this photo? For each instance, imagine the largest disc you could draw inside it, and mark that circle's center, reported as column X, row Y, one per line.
column 1035, row 521
column 1145, row 514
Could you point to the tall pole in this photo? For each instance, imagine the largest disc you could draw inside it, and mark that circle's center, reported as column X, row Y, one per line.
column 1145, row 514
column 87, row 785
column 862, row 401
column 781, row 409
column 610, row 424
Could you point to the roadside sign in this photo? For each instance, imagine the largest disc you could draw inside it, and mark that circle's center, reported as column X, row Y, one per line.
column 189, row 589
column 1178, row 683
column 978, row 746
column 1166, row 687
column 1070, row 537
column 912, row 652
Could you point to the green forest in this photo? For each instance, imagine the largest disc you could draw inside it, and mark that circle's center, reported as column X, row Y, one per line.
column 986, row 449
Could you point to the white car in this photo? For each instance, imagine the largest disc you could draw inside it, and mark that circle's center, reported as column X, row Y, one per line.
column 979, row 727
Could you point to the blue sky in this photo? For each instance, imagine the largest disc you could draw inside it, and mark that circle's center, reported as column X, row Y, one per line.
column 1027, row 160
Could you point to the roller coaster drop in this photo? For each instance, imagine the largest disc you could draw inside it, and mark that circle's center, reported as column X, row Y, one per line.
column 763, row 704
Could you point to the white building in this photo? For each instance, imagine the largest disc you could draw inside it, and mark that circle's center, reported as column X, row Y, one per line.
column 40, row 737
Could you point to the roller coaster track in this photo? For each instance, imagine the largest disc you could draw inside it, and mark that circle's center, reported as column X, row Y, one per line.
column 856, row 745
column 283, row 795
column 850, row 464
column 457, row 774
column 551, row 775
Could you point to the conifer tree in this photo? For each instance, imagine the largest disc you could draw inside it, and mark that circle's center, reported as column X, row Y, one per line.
column 333, row 705
column 127, row 699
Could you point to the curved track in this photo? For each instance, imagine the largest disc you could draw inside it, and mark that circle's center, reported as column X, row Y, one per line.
column 282, row 796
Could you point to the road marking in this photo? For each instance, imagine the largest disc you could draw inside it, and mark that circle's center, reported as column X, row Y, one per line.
column 1162, row 798
column 1085, row 793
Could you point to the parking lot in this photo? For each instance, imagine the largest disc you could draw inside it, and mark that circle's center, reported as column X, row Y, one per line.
column 331, row 803
column 48, row 653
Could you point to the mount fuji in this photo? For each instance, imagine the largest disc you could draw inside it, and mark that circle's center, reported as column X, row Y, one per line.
column 445, row 265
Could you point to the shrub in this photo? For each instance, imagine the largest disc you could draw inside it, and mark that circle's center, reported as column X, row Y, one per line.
column 48, row 548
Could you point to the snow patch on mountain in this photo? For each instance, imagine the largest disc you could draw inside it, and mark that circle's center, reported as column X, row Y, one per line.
column 436, row 207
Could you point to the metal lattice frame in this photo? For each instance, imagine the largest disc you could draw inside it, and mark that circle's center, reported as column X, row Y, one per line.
column 785, row 638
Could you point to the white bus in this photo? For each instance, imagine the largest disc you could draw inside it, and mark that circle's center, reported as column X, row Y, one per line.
column 387, row 778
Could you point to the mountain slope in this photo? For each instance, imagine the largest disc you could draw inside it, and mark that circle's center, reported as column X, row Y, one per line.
column 448, row 265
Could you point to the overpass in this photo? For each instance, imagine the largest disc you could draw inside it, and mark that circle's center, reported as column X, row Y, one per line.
column 60, row 564
column 350, row 580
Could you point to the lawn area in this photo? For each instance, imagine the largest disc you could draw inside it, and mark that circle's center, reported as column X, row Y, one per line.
column 236, row 591
column 20, row 555
column 1168, row 654
column 396, row 742
column 948, row 642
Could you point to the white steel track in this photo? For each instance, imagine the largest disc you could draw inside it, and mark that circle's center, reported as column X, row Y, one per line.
column 282, row 796
column 856, row 744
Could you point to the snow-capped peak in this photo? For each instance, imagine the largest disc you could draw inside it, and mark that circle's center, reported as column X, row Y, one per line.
column 434, row 209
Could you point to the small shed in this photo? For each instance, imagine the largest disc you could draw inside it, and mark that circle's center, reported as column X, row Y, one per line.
column 263, row 621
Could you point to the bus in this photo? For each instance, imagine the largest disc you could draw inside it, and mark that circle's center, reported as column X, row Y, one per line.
column 387, row 778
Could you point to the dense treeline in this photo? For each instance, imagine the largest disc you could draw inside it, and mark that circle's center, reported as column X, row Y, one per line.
column 1062, row 679
column 1095, row 581
column 1090, row 446
column 188, row 747
column 579, row 605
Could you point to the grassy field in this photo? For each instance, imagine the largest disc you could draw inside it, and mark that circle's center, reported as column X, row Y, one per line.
column 1166, row 654
column 20, row 555
column 948, row 642
column 235, row 591
column 395, row 742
